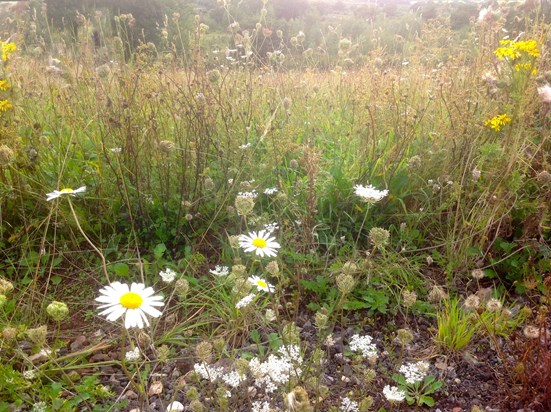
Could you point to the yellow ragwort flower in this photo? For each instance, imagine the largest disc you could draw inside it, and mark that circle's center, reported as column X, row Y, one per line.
column 511, row 49
column 4, row 85
column 7, row 49
column 497, row 122
column 4, row 106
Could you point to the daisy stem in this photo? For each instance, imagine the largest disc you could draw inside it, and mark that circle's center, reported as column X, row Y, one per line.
column 103, row 262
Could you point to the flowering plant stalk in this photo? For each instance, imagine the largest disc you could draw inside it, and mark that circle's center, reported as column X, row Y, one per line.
column 418, row 392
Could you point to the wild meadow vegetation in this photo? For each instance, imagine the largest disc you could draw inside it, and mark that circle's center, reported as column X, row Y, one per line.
column 264, row 214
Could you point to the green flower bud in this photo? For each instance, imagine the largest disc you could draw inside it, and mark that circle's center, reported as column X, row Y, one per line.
column 57, row 310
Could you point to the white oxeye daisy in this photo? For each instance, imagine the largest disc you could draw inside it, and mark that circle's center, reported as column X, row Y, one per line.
column 261, row 284
column 369, row 194
column 134, row 301
column 259, row 242
column 67, row 191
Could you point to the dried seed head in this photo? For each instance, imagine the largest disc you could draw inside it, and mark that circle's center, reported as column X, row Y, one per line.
column 477, row 274
column 379, row 236
column 493, row 305
column 38, row 335
column 349, row 268
column 531, row 332
column 405, row 336
column 5, row 286
column 244, row 205
column 437, row 294
column 409, row 298
column 9, row 333
column 272, row 268
column 182, row 288
column 472, row 302
column 320, row 320
column 203, row 351
column 345, row 283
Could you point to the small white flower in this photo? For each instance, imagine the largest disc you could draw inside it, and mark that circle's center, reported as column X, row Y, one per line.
column 233, row 379
column 363, row 344
column 39, row 407
column 270, row 191
column 393, row 394
column 245, row 146
column 261, row 284
column 414, row 372
column 245, row 301
column 134, row 301
column 220, row 270
column 168, row 275
column 67, row 191
column 348, row 405
column 174, row 407
column 369, row 194
column 133, row 355
column 259, row 242
column 259, row 406
column 252, row 193
column 29, row 375
column 270, row 227
column 116, row 150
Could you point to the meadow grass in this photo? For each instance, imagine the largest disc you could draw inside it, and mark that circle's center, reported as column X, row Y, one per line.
column 180, row 158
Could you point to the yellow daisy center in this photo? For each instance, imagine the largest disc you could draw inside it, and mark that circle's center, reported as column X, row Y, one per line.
column 262, row 284
column 259, row 243
column 66, row 190
column 131, row 300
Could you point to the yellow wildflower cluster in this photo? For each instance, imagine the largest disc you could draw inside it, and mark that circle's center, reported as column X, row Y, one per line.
column 525, row 67
column 511, row 49
column 497, row 122
column 7, row 49
column 4, row 106
column 4, row 85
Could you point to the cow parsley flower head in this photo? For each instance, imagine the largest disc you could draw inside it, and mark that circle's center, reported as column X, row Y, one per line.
column 363, row 344
column 168, row 275
column 393, row 394
column 369, row 194
column 220, row 270
column 133, row 355
column 246, row 301
column 414, row 372
column 348, row 405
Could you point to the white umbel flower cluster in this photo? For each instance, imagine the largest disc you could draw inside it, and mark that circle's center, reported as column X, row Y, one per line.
column 369, row 194
column 246, row 301
column 133, row 355
column 348, row 405
column 414, row 372
column 259, row 406
column 277, row 369
column 393, row 394
column 233, row 379
column 207, row 372
column 168, row 275
column 363, row 344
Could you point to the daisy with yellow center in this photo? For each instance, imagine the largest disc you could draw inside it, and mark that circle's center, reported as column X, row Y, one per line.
column 134, row 301
column 67, row 191
column 260, row 243
column 261, row 284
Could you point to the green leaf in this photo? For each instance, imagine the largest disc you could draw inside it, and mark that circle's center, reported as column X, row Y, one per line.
column 56, row 280
column 427, row 400
column 159, row 250
column 120, row 269
column 255, row 336
column 355, row 305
